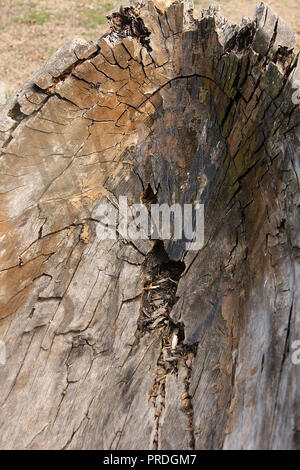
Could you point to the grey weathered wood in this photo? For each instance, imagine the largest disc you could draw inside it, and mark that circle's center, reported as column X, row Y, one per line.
column 195, row 110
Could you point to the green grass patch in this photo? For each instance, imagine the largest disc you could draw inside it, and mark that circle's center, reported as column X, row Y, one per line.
column 204, row 3
column 49, row 52
column 59, row 16
column 108, row 6
column 16, row 19
column 91, row 19
column 40, row 18
column 26, row 5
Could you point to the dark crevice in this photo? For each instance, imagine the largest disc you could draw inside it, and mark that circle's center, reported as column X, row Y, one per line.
column 262, row 364
column 15, row 113
column 126, row 22
column 149, row 197
column 161, row 277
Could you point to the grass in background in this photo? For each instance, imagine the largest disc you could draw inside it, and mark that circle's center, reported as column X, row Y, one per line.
column 40, row 18
column 32, row 30
column 93, row 17
column 34, row 17
column 26, row 5
column 91, row 21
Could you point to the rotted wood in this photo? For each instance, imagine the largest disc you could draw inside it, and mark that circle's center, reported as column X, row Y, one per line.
column 176, row 109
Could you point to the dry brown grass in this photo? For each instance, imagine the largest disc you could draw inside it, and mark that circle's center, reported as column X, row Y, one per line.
column 32, row 30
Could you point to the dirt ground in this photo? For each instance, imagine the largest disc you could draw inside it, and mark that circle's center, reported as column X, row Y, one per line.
column 31, row 31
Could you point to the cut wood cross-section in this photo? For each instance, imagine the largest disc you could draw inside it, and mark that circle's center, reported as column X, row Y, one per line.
column 143, row 344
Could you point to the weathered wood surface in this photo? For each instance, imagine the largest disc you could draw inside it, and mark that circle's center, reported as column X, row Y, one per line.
column 196, row 110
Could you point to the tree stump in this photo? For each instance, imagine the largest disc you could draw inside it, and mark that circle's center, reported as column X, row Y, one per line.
column 142, row 344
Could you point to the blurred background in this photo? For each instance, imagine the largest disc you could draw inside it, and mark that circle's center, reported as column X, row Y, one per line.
column 31, row 31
